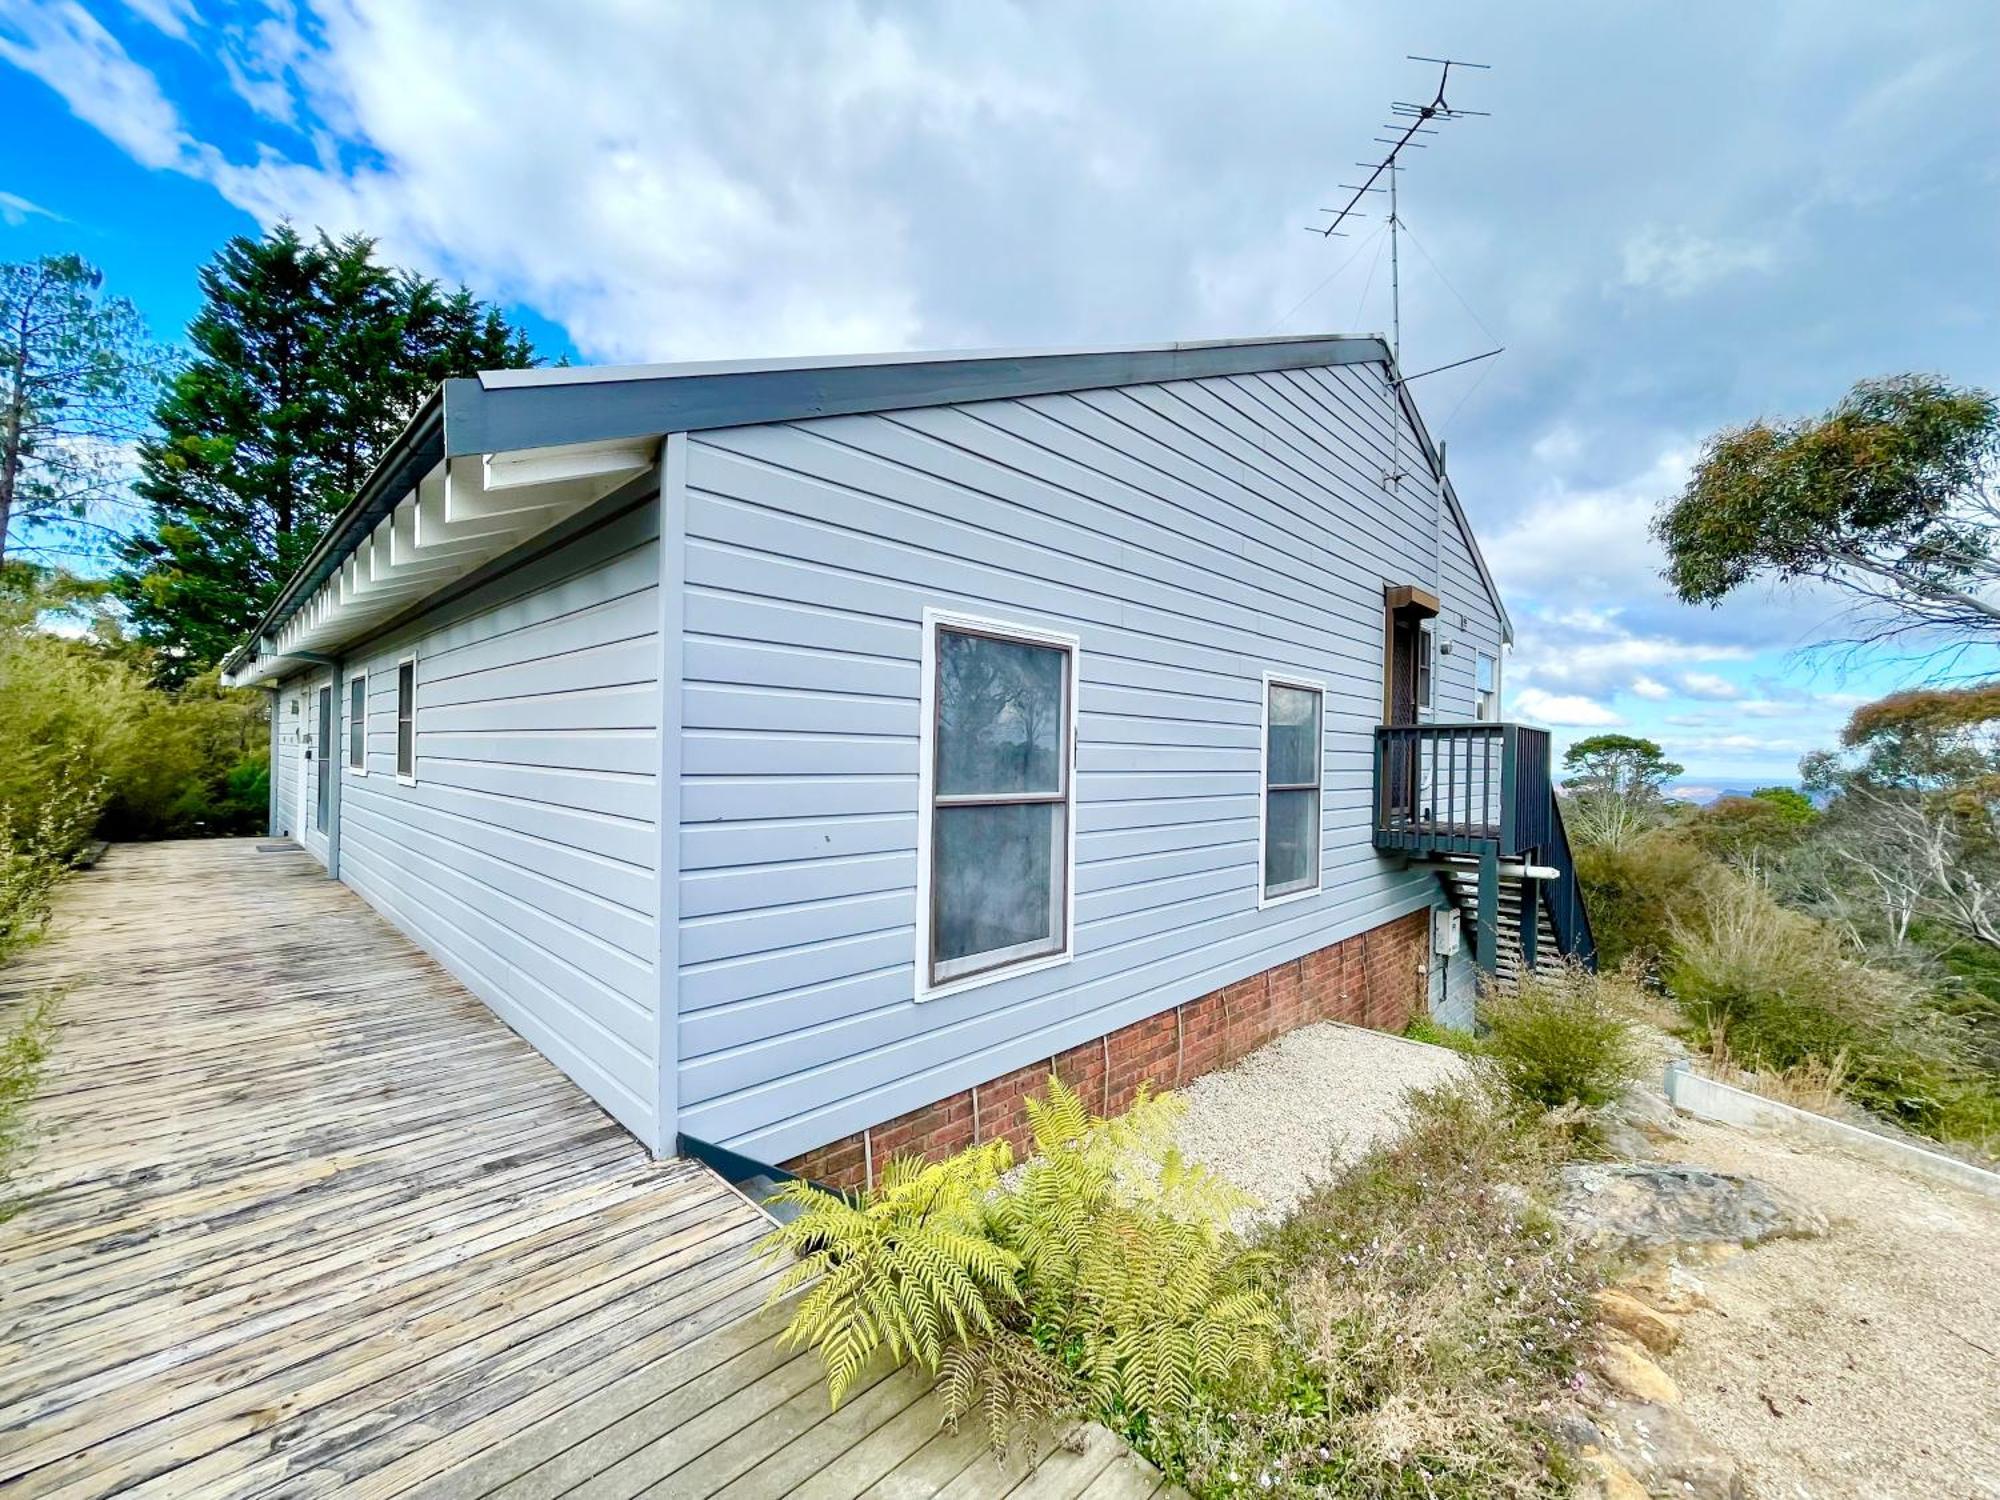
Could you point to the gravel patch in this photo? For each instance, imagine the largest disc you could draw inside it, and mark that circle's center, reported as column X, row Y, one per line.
column 1863, row 1364
column 1278, row 1119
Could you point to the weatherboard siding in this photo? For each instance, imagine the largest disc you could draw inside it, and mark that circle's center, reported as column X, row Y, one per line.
column 1193, row 535
column 524, row 856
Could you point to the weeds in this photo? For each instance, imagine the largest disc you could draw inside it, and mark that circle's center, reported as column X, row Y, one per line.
column 1433, row 1308
column 24, row 1050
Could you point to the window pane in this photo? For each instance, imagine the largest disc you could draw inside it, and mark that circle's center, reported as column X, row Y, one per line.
column 1000, row 715
column 997, row 884
column 1292, row 755
column 1291, row 842
column 357, row 713
column 1485, row 673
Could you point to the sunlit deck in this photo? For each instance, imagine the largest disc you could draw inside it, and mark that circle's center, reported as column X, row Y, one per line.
column 307, row 1219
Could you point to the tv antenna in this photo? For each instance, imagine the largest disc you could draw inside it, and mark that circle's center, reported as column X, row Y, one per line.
column 1408, row 120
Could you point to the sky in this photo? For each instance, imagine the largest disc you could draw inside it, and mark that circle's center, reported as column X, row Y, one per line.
column 1676, row 218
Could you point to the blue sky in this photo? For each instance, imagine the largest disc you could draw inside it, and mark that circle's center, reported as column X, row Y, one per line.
column 1675, row 219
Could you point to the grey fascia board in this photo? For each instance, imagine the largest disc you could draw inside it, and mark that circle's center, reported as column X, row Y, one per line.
column 550, row 408
column 506, row 410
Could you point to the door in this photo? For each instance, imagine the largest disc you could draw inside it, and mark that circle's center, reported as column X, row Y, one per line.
column 315, row 804
column 1399, row 707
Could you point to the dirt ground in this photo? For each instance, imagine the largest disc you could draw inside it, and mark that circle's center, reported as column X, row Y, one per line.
column 1864, row 1364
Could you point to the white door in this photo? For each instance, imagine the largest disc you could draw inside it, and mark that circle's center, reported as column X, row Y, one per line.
column 316, row 766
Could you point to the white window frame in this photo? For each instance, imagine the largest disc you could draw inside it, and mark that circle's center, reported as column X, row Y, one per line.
column 936, row 620
column 409, row 777
column 1477, row 658
column 1309, row 684
column 353, row 767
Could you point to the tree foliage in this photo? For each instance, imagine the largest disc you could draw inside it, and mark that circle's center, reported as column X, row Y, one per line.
column 1616, row 787
column 309, row 356
column 1889, row 497
column 77, row 374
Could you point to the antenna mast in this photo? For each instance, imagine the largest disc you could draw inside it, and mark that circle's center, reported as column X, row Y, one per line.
column 1408, row 120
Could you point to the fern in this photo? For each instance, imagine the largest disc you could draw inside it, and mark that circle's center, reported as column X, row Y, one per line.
column 1102, row 1275
column 909, row 1269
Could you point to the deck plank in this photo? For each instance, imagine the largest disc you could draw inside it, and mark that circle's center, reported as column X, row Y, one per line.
column 303, row 1209
column 309, row 1220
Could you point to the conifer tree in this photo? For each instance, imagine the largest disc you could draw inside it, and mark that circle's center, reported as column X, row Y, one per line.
column 307, row 358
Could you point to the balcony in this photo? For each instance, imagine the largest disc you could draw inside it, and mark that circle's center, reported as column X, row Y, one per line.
column 1478, row 800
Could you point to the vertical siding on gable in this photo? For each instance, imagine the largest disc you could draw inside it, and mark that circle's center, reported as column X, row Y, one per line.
column 524, row 856
column 1193, row 534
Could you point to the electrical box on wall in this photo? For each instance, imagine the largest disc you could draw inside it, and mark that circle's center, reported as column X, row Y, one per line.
column 1446, row 922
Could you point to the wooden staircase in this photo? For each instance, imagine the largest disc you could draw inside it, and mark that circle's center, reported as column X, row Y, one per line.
column 1477, row 803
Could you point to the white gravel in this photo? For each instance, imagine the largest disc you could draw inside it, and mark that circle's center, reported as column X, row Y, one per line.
column 1274, row 1122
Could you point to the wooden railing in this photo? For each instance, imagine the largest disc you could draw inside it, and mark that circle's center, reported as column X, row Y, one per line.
column 1457, row 788
column 1481, row 790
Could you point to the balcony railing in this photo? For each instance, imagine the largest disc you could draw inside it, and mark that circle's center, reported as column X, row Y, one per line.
column 1482, row 790
column 1459, row 788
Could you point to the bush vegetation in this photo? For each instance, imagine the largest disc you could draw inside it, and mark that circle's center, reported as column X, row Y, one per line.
column 1564, row 1039
column 1432, row 1311
column 24, row 1046
column 1399, row 1334
column 1101, row 1278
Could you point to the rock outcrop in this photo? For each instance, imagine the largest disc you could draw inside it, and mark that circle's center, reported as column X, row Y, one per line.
column 1639, row 1206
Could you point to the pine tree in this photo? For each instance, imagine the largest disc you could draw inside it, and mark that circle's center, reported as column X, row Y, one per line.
column 77, row 372
column 309, row 355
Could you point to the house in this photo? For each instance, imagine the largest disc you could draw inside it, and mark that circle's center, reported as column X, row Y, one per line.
column 806, row 755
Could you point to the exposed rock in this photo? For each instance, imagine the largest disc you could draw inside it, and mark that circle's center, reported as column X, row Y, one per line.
column 1605, row 1478
column 1622, row 1140
column 1667, row 1453
column 1643, row 1206
column 1627, row 1367
column 1666, row 1285
column 1646, row 1110
column 1629, row 1315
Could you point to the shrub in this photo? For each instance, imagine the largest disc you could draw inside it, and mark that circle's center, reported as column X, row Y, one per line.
column 1101, row 1277
column 1433, row 1311
column 37, row 851
column 24, row 1048
column 1564, row 1038
column 1436, row 1034
column 1784, row 993
column 1638, row 892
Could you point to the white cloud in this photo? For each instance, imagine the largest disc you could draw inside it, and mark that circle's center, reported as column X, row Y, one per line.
column 1569, row 710
column 1680, row 263
column 1708, row 685
column 68, row 49
column 170, row 17
column 1647, row 687
column 16, row 210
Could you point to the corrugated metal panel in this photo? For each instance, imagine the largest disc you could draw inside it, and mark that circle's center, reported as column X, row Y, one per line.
column 1194, row 534
column 524, row 856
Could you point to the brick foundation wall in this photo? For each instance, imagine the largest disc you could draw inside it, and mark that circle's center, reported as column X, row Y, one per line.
column 1374, row 978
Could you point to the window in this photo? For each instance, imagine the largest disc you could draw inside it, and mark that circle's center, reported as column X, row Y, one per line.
column 1427, row 651
column 357, row 724
column 1293, row 712
column 1486, row 687
column 995, row 835
column 323, row 761
column 406, row 719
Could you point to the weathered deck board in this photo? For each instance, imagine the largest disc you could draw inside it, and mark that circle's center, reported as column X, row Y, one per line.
column 309, row 1220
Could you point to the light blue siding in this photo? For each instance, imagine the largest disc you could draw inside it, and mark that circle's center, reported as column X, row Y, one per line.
column 1193, row 535
column 524, row 857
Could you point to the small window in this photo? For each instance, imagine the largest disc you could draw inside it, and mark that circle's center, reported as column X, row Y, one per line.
column 1486, row 688
column 357, row 724
column 996, row 837
column 406, row 719
column 1427, row 650
column 1293, row 713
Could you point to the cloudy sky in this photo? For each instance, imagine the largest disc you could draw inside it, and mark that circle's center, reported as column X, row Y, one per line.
column 1677, row 217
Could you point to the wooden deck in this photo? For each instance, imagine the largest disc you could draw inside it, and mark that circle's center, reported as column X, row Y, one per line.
column 307, row 1219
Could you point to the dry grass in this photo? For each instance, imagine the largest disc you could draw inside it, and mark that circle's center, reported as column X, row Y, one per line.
column 1814, row 1083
